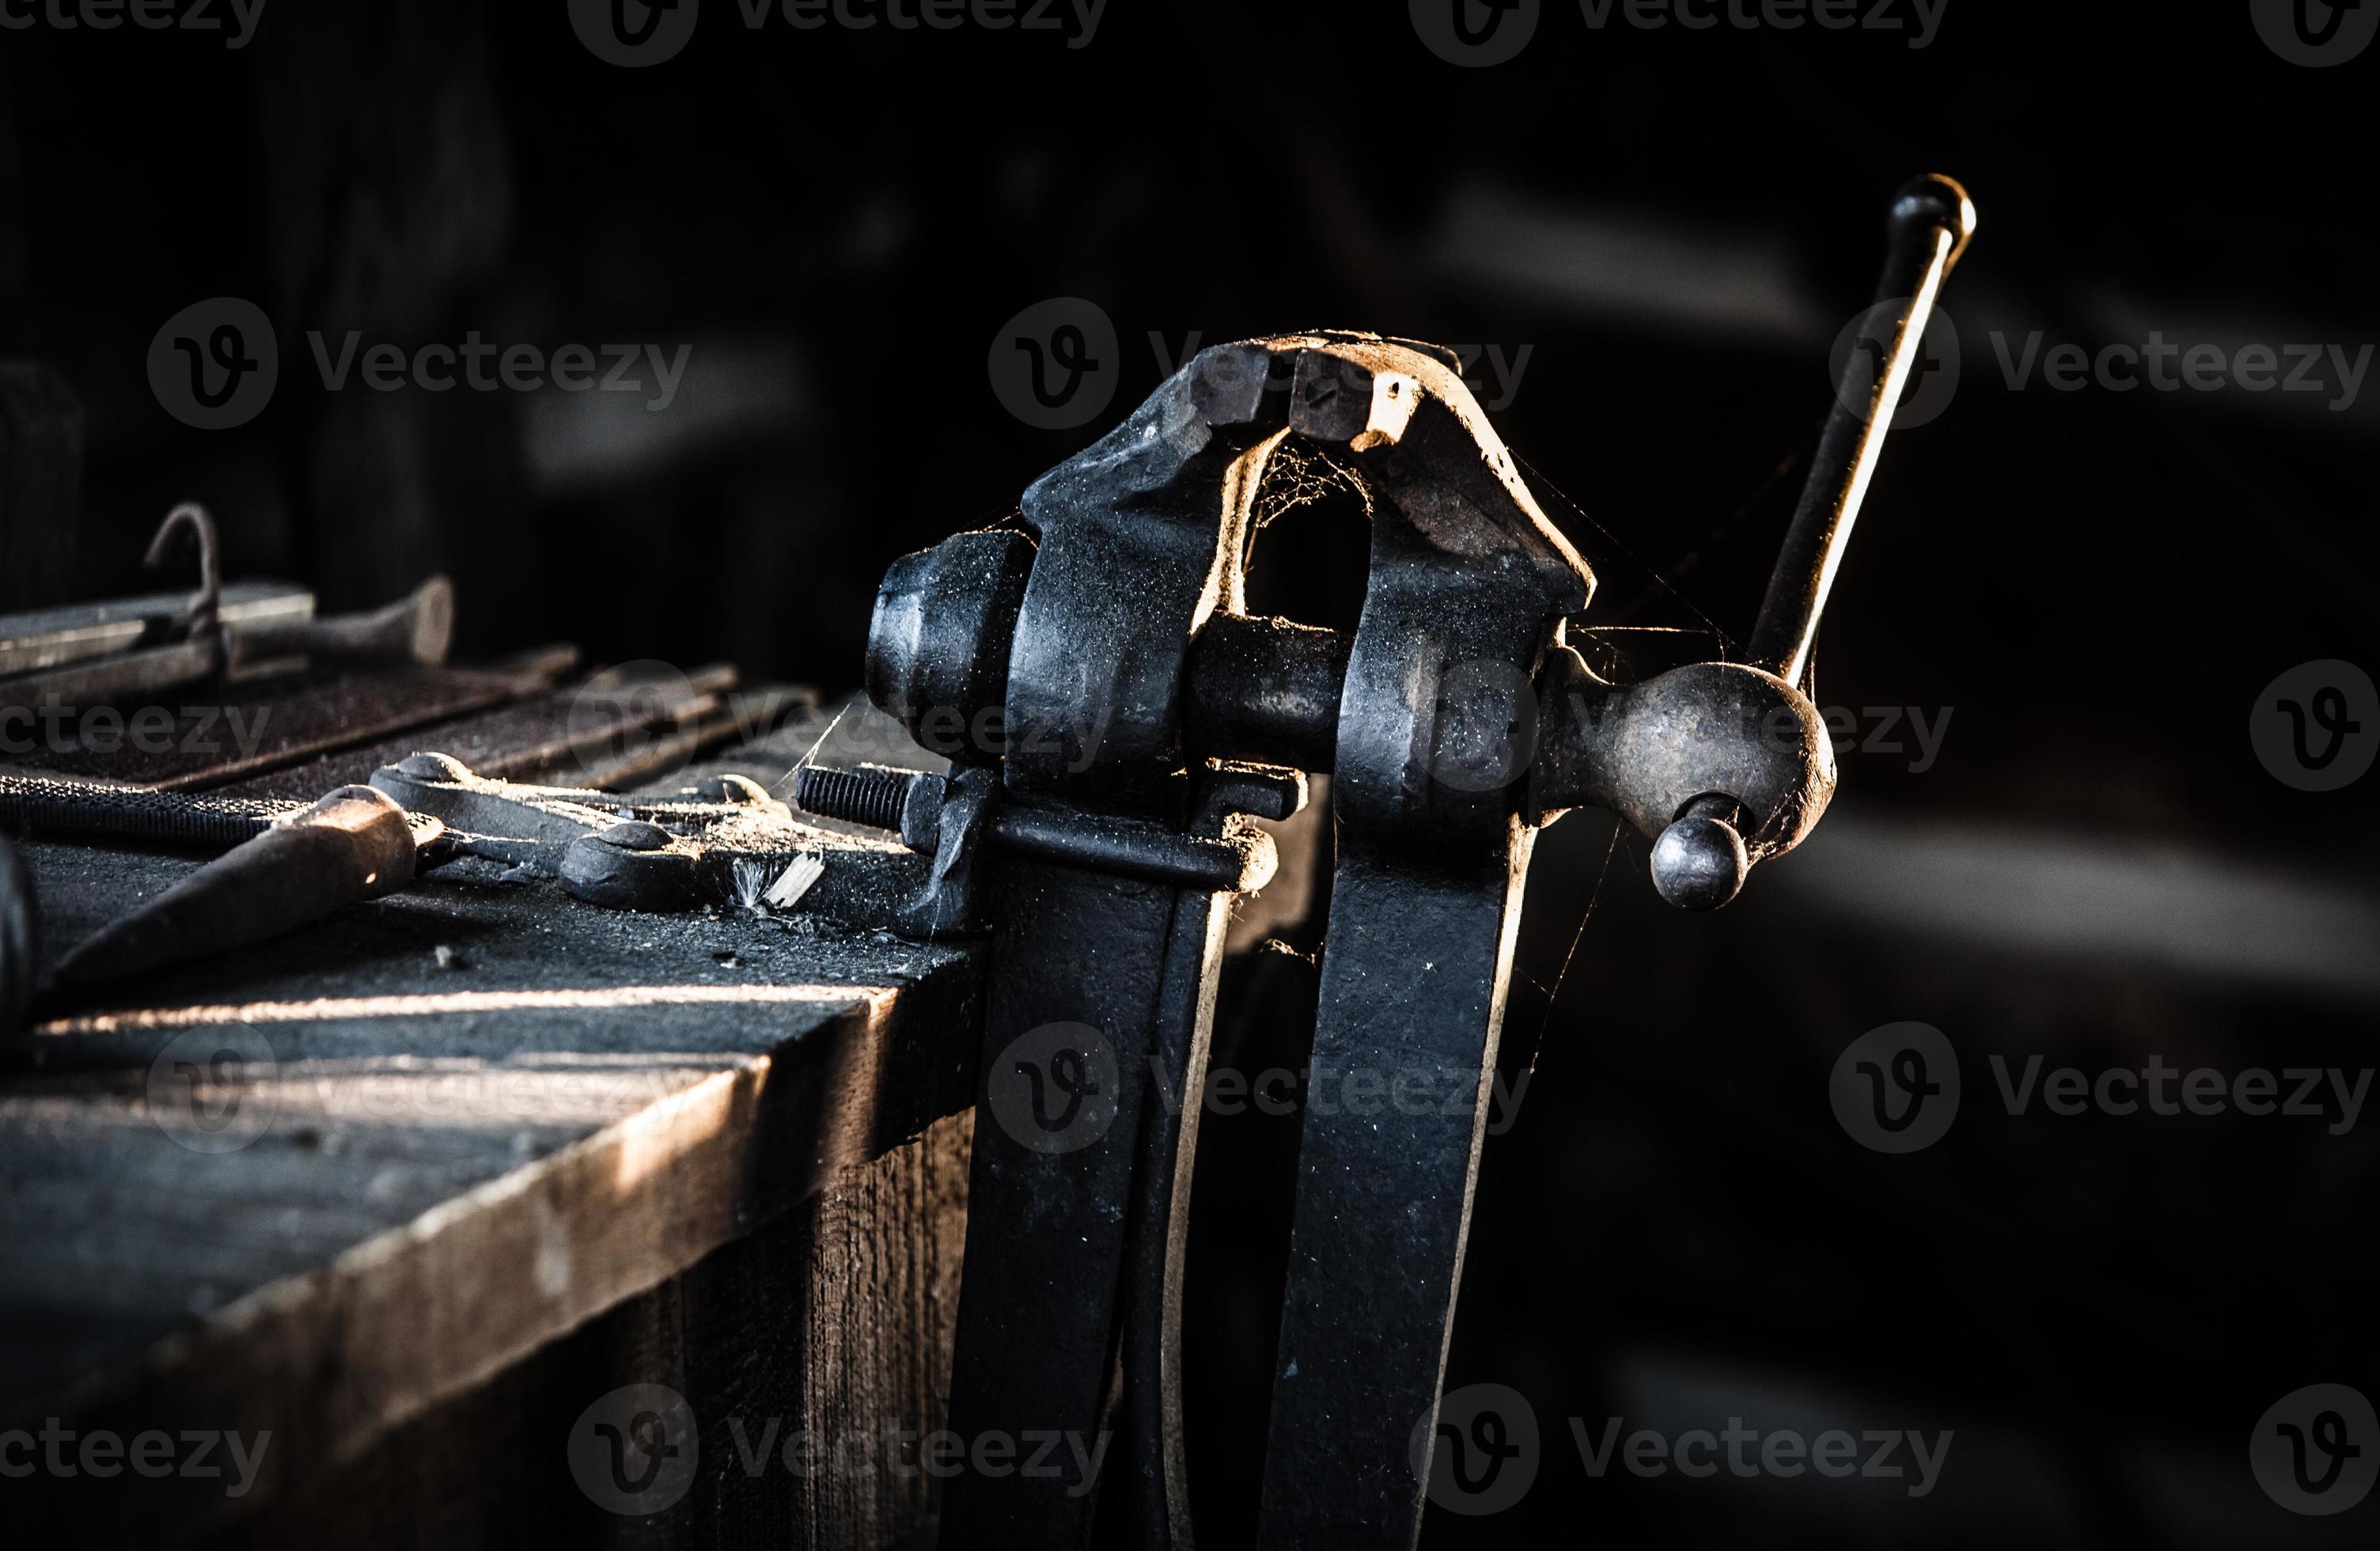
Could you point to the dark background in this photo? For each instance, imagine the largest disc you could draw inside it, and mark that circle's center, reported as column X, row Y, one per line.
column 2092, row 585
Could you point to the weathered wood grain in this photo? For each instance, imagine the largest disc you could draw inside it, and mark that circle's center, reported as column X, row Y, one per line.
column 833, row 1320
column 446, row 1164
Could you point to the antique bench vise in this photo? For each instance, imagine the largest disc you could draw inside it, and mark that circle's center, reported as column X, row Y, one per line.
column 1115, row 717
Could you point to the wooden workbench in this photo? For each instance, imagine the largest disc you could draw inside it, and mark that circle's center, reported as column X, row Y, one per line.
column 421, row 1189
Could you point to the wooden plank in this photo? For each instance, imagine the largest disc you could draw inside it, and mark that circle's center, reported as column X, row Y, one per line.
column 438, row 1170
column 210, row 742
column 834, row 1320
column 568, row 739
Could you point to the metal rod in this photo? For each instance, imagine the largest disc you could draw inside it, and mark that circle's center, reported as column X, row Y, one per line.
column 55, row 636
column 207, row 603
column 38, row 802
column 1931, row 219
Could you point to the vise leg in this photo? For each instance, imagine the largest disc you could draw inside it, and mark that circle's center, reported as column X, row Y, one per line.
column 1096, row 1037
column 1413, row 1002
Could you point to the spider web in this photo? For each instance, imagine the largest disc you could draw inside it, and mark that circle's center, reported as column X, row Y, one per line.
column 1298, row 474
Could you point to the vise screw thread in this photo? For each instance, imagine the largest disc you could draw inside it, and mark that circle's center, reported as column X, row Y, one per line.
column 871, row 797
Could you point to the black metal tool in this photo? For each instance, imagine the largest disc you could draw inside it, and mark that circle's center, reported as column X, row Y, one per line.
column 722, row 842
column 1097, row 674
column 75, row 633
column 286, row 863
column 97, row 654
column 355, row 843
